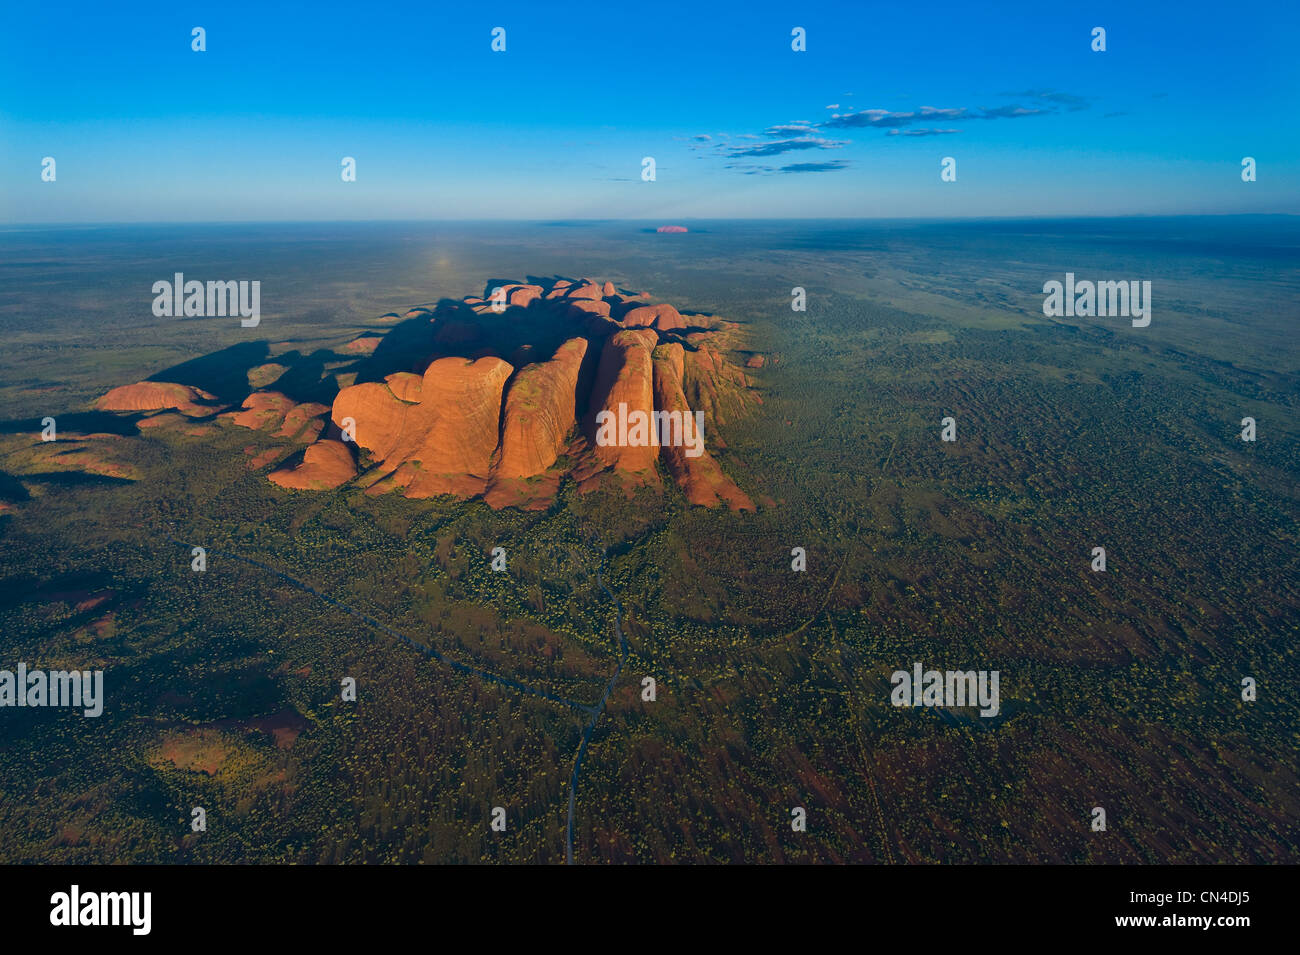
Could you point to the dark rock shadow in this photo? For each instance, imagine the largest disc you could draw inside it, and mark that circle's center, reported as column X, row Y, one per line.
column 75, row 479
column 79, row 422
column 305, row 379
column 223, row 373
column 12, row 489
column 405, row 344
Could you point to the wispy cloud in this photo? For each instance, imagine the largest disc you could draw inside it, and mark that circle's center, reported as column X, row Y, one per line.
column 869, row 119
column 779, row 146
column 922, row 132
column 1007, row 112
column 802, row 135
column 885, row 119
column 1071, row 102
column 816, row 166
column 799, row 128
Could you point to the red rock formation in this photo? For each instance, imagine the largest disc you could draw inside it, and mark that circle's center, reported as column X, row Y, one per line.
column 262, row 376
column 304, row 422
column 521, row 295
column 262, row 409
column 155, row 396
column 476, row 426
column 163, row 422
column 364, row 345
column 260, row 459
column 372, row 415
column 589, row 307
column 662, row 317
column 444, row 443
column 712, row 384
column 539, row 412
column 624, row 377
column 326, row 465
column 685, row 449
column 600, row 327
column 405, row 386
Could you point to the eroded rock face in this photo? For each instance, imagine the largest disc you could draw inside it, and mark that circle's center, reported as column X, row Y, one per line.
column 406, row 386
column 520, row 295
column 592, row 292
column 689, row 462
column 374, row 417
column 364, row 345
column 303, row 422
column 443, row 442
column 589, row 308
column 464, row 400
column 539, row 412
column 714, row 385
column 273, row 411
column 662, row 317
column 263, row 410
column 325, row 466
column 158, row 396
column 623, row 386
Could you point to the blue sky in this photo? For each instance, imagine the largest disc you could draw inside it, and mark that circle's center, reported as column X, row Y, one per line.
column 144, row 129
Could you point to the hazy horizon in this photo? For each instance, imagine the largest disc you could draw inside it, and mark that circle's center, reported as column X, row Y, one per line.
column 593, row 220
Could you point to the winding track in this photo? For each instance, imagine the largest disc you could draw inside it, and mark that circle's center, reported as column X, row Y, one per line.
column 593, row 711
column 596, row 710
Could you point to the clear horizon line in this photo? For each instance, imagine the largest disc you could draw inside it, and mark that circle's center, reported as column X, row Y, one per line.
column 107, row 223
